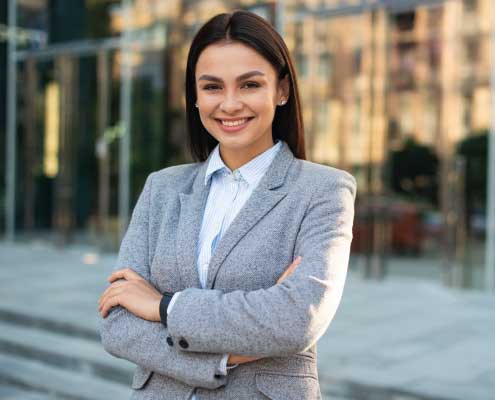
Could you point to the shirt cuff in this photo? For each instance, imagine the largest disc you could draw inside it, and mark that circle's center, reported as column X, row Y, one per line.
column 223, row 368
column 172, row 301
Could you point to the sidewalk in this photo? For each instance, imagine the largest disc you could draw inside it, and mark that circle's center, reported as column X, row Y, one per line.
column 393, row 340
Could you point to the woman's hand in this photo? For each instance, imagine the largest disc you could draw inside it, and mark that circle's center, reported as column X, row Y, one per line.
column 236, row 359
column 131, row 291
column 290, row 269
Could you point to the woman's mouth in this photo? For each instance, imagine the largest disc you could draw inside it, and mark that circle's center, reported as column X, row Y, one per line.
column 233, row 125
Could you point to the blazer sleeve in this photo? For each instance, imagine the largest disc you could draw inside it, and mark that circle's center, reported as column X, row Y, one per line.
column 286, row 318
column 142, row 342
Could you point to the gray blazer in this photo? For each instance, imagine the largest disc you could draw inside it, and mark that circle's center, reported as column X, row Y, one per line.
column 298, row 208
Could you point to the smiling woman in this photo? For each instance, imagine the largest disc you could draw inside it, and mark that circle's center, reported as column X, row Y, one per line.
column 261, row 84
column 233, row 267
column 237, row 106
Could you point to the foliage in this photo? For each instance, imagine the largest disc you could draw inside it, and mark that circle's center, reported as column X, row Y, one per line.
column 98, row 25
column 413, row 171
column 474, row 149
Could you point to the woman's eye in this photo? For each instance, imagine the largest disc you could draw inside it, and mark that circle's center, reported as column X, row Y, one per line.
column 251, row 85
column 247, row 85
column 211, row 87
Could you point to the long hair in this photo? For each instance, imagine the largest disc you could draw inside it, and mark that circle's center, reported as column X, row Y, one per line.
column 253, row 31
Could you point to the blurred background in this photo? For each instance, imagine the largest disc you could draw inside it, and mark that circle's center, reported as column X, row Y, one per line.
column 397, row 92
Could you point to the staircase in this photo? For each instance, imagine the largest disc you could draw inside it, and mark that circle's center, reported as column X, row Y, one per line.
column 44, row 359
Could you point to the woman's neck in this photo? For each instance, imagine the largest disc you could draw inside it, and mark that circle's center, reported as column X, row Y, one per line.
column 235, row 158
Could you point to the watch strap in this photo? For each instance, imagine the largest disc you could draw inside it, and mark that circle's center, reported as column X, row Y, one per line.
column 164, row 302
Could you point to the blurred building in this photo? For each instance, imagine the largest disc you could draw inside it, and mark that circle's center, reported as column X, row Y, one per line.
column 384, row 84
column 396, row 92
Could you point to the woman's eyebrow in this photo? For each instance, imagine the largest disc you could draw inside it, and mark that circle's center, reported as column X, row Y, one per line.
column 242, row 77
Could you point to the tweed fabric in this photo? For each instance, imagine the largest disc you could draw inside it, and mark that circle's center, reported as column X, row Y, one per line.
column 229, row 190
column 298, row 208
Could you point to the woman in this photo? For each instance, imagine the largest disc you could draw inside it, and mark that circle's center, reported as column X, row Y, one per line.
column 202, row 299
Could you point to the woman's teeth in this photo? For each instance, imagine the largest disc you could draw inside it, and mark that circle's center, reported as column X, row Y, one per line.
column 234, row 123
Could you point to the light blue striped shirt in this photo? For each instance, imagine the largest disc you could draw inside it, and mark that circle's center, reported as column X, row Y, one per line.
column 229, row 191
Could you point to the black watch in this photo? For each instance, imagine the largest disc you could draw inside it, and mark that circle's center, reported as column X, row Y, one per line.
column 164, row 302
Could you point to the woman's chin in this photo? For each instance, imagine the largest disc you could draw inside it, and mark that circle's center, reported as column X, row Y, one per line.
column 233, row 140
column 233, row 145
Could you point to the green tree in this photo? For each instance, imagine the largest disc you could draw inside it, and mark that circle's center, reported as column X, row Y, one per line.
column 474, row 149
column 413, row 171
column 99, row 17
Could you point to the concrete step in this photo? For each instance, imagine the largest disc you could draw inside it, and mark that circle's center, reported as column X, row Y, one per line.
column 76, row 354
column 346, row 390
column 8, row 392
column 59, row 325
column 57, row 382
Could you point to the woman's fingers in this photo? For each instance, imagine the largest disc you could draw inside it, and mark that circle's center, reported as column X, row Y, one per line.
column 110, row 302
column 293, row 266
column 108, row 291
column 114, row 294
column 236, row 359
column 290, row 269
column 137, row 296
column 125, row 273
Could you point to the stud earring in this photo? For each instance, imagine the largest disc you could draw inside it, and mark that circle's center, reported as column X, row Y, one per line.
column 282, row 102
column 196, row 105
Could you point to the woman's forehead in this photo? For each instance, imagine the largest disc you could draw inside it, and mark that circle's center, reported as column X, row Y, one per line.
column 231, row 60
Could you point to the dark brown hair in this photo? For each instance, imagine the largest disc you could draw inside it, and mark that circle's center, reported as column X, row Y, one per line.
column 253, row 31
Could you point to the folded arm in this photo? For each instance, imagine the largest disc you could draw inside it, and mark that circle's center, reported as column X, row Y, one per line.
column 142, row 342
column 286, row 318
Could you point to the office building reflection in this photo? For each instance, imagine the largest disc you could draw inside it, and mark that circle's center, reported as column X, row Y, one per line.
column 398, row 96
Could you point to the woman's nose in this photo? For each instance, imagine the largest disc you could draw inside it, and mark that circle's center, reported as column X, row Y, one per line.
column 230, row 104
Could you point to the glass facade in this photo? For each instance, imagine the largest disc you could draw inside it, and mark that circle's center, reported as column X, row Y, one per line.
column 398, row 96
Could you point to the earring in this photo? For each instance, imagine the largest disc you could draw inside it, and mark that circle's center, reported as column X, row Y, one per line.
column 196, row 105
column 282, row 102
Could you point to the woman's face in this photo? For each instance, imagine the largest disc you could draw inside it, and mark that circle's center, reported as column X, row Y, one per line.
column 237, row 95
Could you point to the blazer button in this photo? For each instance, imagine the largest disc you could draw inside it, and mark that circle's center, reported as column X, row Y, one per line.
column 170, row 342
column 183, row 343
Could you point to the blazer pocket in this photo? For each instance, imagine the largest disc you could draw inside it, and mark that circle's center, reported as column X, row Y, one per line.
column 141, row 376
column 278, row 386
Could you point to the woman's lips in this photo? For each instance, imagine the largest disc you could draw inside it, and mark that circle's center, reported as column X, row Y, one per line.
column 234, row 125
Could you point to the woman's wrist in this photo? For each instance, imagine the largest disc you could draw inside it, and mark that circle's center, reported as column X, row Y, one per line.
column 164, row 302
column 236, row 359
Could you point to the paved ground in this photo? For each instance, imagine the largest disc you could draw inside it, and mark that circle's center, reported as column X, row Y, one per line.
column 397, row 339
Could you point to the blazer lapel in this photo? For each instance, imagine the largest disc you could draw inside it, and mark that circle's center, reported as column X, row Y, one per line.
column 192, row 206
column 261, row 201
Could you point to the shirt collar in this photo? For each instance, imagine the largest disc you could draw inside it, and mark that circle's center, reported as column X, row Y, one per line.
column 251, row 172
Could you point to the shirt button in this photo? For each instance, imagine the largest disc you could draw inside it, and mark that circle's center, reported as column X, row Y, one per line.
column 170, row 342
column 183, row 343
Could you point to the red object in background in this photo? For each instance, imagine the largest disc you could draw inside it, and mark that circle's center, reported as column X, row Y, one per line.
column 407, row 232
column 402, row 221
column 361, row 232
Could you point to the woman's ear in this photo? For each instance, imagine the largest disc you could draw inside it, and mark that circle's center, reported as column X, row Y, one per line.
column 283, row 89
